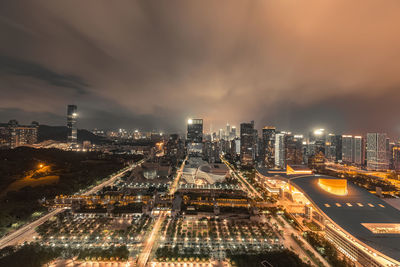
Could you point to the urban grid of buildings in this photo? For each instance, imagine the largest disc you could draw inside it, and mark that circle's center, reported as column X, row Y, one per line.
column 204, row 181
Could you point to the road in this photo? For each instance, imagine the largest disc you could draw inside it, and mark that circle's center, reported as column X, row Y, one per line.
column 27, row 231
column 251, row 190
column 152, row 238
column 289, row 242
column 175, row 183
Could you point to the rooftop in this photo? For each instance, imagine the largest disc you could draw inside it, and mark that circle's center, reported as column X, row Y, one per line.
column 354, row 209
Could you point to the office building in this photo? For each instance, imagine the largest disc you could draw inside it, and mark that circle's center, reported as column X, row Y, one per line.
column 396, row 157
column 233, row 132
column 268, row 146
column 19, row 135
column 195, row 131
column 347, row 149
column 377, row 151
column 71, row 124
column 317, row 140
column 359, row 150
column 280, row 150
column 333, row 147
column 247, row 143
column 194, row 137
column 293, row 149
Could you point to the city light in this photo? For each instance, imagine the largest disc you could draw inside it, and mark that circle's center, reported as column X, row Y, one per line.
column 319, row 131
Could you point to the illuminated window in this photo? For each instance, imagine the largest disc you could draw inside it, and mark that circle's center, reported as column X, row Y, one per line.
column 359, row 204
column 380, row 205
column 348, row 204
column 369, row 204
column 337, row 204
column 327, row 205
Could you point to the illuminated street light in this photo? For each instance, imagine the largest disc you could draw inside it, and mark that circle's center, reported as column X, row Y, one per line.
column 190, row 121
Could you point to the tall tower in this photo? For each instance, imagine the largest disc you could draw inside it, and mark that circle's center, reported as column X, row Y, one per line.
column 376, row 151
column 194, row 135
column 280, row 150
column 71, row 124
column 268, row 146
column 247, row 143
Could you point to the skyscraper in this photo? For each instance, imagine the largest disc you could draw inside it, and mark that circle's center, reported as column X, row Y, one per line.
column 376, row 151
column 280, row 150
column 195, row 135
column 195, row 131
column 293, row 149
column 71, row 124
column 396, row 157
column 347, row 149
column 359, row 150
column 233, row 132
column 333, row 150
column 268, row 146
column 247, row 143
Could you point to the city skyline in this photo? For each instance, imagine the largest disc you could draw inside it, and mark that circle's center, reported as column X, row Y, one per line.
column 295, row 68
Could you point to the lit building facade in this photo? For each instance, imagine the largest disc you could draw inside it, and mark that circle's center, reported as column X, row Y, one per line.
column 347, row 149
column 194, row 136
column 280, row 150
column 377, row 151
column 247, row 143
column 71, row 124
column 293, row 149
column 359, row 150
column 268, row 146
column 333, row 150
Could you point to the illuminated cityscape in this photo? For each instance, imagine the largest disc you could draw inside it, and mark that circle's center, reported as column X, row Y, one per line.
column 199, row 134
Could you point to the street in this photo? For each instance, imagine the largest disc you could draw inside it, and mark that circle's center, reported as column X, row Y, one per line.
column 148, row 246
column 175, row 183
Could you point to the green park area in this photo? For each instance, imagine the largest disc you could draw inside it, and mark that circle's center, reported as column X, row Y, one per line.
column 30, row 176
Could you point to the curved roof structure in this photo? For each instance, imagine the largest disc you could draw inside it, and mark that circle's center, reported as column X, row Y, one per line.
column 357, row 213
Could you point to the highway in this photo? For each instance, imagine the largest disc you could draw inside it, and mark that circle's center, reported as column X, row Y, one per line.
column 175, row 183
column 152, row 238
column 27, row 231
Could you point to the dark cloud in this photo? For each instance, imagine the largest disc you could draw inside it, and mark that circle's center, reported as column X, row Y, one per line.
column 13, row 66
column 151, row 64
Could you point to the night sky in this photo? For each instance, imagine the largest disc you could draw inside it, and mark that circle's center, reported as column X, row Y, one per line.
column 153, row 64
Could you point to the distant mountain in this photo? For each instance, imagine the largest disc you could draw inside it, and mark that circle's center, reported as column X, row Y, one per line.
column 59, row 133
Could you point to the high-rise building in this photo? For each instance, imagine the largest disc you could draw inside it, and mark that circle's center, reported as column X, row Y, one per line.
column 396, row 157
column 359, row 150
column 233, row 132
column 22, row 135
column 317, row 140
column 333, row 147
column 268, row 146
column 280, row 150
column 293, row 149
column 72, row 115
column 247, row 143
column 347, row 149
column 376, row 151
column 194, row 135
column 195, row 131
column 228, row 131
